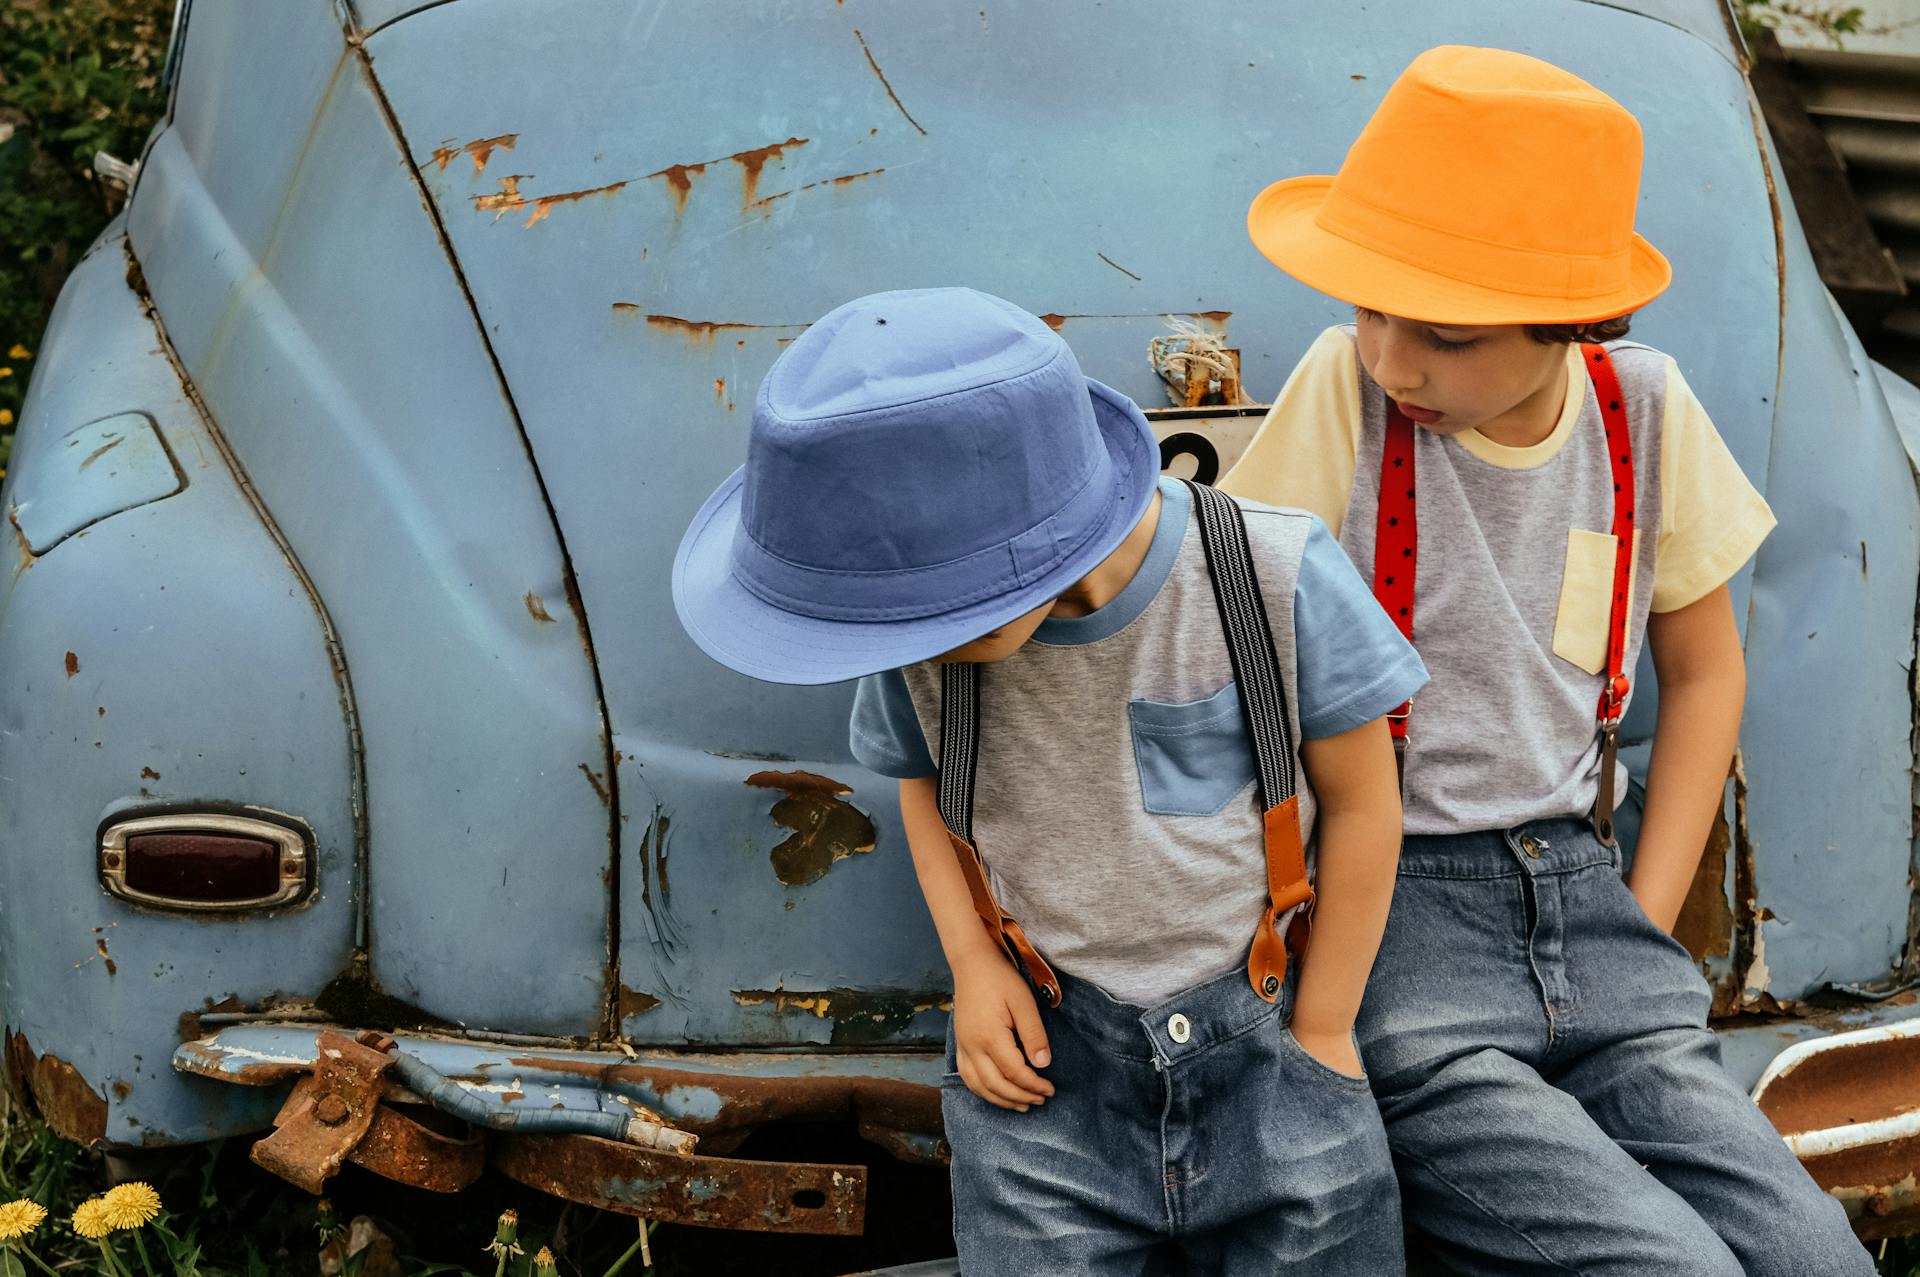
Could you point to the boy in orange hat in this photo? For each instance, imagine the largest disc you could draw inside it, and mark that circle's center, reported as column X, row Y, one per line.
column 1532, row 498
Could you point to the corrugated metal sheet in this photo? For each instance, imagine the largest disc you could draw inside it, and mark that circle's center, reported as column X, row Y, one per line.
column 1868, row 105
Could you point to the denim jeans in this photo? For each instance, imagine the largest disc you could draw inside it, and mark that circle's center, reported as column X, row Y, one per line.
column 1553, row 1098
column 1196, row 1137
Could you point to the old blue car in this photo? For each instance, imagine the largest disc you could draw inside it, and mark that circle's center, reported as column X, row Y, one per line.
column 352, row 763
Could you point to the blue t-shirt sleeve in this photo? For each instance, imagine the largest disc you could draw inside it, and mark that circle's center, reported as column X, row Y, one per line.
column 1354, row 664
column 885, row 732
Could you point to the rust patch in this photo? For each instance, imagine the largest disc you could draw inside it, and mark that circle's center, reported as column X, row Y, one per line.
column 845, row 179
column 698, row 330
column 105, row 448
column 537, row 609
column 75, row 1110
column 599, row 785
column 1117, row 266
column 861, row 1017
column 884, row 83
column 712, row 1192
column 1212, row 320
column 147, row 773
column 1864, row 1082
column 680, row 182
column 73, row 665
column 826, row 828
column 720, row 389
column 121, row 1090
column 101, row 946
column 633, row 1002
column 1705, row 924
column 480, row 151
column 752, row 162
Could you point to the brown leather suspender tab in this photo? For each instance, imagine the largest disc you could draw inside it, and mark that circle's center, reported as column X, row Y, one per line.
column 1396, row 555
column 1263, row 701
column 959, row 755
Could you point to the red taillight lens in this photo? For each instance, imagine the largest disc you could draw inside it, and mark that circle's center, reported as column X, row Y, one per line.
column 207, row 867
column 204, row 862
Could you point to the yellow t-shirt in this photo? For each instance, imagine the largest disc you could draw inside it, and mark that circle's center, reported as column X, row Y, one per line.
column 1711, row 519
column 1514, row 571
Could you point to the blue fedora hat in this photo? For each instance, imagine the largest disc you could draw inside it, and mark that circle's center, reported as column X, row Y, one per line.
column 923, row 467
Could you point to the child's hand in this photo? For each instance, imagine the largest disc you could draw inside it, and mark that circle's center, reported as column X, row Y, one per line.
column 991, row 1004
column 1335, row 1050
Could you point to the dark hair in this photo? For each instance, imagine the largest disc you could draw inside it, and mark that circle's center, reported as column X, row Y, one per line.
column 1601, row 330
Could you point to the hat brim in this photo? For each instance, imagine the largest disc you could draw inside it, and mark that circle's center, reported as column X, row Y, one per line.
column 1282, row 226
column 744, row 632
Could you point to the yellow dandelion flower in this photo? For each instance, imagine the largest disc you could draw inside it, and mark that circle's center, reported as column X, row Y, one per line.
column 90, row 1219
column 17, row 1219
column 131, row 1204
column 19, row 352
column 543, row 1265
column 6, row 416
column 5, row 371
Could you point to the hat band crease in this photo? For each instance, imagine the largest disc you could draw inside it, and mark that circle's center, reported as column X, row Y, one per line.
column 850, row 594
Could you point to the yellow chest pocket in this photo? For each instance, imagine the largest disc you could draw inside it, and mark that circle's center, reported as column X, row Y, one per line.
column 1586, row 598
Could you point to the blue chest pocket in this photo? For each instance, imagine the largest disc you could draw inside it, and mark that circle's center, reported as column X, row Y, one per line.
column 1192, row 758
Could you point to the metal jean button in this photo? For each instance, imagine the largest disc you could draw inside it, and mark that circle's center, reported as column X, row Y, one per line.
column 1179, row 1028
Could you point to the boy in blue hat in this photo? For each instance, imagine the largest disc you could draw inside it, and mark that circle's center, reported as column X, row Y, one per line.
column 1090, row 682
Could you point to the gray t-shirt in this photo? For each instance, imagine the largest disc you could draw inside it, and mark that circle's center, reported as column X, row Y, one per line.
column 1115, row 801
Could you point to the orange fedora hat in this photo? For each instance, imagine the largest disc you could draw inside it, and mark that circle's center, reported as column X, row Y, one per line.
column 1488, row 188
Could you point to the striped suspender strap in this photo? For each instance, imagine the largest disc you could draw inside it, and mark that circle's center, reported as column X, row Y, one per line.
column 959, row 756
column 1396, row 554
column 1263, row 701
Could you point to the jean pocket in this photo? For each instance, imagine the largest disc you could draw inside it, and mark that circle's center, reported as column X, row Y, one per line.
column 1327, row 1071
column 1193, row 758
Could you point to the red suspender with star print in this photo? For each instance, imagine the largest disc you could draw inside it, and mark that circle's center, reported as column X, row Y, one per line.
column 1396, row 555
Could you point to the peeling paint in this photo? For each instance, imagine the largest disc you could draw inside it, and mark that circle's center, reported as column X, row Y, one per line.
column 826, row 828
column 633, row 1002
column 510, row 199
column 537, row 609
column 480, row 151
column 861, row 1017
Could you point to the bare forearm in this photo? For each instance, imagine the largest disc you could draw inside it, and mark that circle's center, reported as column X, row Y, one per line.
column 1359, row 852
column 1693, row 741
column 1703, row 686
column 1359, row 842
column 962, row 937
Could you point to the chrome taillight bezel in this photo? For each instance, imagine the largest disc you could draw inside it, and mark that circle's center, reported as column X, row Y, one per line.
column 295, row 859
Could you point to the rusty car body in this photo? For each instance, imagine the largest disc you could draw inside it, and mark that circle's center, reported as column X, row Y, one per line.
column 346, row 491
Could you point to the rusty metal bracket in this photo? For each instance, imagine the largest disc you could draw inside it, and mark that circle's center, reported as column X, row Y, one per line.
column 329, row 1112
column 402, row 1149
column 712, row 1192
